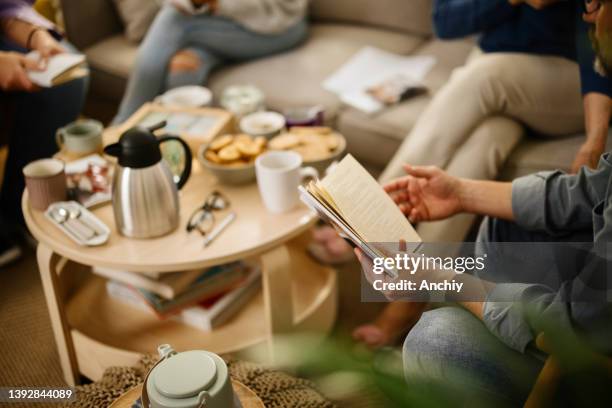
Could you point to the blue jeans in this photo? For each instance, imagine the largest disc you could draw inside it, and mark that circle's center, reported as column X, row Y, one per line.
column 215, row 40
column 452, row 345
column 31, row 119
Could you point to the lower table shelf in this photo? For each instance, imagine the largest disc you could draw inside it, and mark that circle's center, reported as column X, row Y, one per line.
column 107, row 332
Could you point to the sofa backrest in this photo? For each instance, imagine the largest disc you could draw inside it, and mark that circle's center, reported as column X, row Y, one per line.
column 411, row 16
column 89, row 21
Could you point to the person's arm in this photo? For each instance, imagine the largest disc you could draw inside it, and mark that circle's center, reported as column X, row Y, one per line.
column 597, row 93
column 597, row 111
column 26, row 28
column 489, row 198
column 428, row 193
column 460, row 18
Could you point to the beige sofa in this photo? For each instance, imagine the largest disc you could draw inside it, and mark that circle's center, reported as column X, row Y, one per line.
column 339, row 28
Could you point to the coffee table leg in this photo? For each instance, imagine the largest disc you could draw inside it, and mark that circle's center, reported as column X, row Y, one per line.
column 47, row 265
column 278, row 298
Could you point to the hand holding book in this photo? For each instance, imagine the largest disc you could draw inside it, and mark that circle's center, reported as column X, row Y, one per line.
column 353, row 201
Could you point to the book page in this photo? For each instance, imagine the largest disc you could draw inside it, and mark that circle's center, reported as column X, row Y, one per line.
column 365, row 205
column 56, row 66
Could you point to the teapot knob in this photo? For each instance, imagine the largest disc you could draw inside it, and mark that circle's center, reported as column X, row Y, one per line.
column 165, row 350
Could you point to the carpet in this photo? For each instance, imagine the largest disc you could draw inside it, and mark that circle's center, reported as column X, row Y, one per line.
column 28, row 356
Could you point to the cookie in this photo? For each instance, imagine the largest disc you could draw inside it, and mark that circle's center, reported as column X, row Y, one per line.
column 318, row 130
column 332, row 142
column 248, row 149
column 284, row 142
column 312, row 152
column 243, row 138
column 221, row 142
column 212, row 157
column 261, row 142
column 229, row 153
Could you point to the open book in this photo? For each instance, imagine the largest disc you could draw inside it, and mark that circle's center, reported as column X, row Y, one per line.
column 61, row 68
column 353, row 201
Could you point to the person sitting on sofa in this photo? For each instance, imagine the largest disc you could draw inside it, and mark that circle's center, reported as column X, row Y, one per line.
column 523, row 75
column 486, row 339
column 182, row 48
column 29, row 116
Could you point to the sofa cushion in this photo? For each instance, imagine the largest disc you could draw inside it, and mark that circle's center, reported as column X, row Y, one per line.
column 137, row 16
column 411, row 16
column 393, row 124
column 294, row 78
column 537, row 153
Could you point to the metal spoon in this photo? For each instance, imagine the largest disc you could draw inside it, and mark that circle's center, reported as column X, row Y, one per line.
column 75, row 214
column 74, row 219
column 61, row 216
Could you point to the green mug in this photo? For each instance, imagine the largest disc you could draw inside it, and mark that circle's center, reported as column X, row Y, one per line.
column 81, row 137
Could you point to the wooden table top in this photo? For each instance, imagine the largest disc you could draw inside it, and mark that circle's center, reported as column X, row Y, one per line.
column 254, row 231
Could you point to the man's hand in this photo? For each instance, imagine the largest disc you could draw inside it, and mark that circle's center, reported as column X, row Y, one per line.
column 588, row 155
column 536, row 4
column 46, row 45
column 426, row 193
column 13, row 75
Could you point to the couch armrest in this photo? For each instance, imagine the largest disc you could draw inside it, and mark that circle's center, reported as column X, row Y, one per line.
column 88, row 22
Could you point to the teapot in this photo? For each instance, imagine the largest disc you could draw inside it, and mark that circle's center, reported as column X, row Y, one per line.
column 190, row 379
column 144, row 193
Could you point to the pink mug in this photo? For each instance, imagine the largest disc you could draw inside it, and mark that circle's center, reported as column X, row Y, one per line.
column 46, row 182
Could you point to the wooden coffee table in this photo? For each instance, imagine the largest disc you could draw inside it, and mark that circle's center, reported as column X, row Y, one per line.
column 93, row 331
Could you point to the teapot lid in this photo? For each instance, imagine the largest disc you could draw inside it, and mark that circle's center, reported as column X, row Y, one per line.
column 137, row 148
column 185, row 374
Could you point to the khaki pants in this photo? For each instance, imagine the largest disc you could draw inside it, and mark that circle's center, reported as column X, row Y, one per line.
column 474, row 122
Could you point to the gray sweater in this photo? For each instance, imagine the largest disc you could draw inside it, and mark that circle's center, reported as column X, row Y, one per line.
column 264, row 16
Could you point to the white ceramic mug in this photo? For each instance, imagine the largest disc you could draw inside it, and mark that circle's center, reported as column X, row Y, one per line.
column 278, row 176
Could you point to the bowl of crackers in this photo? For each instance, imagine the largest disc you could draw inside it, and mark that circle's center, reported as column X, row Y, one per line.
column 319, row 146
column 231, row 158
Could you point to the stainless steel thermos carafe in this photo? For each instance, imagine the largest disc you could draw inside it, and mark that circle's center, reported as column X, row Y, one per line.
column 144, row 193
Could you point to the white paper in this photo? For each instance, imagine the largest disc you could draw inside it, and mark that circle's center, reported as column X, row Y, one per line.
column 56, row 65
column 371, row 66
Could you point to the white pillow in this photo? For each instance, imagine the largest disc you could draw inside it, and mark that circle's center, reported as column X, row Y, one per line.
column 137, row 16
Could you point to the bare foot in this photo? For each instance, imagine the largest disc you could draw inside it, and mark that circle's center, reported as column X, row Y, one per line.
column 397, row 319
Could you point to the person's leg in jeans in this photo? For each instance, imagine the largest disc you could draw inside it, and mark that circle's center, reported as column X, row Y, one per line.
column 211, row 40
column 34, row 119
column 451, row 345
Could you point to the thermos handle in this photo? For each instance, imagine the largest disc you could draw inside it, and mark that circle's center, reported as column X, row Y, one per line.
column 188, row 157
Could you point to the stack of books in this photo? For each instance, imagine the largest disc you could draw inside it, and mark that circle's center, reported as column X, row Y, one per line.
column 204, row 299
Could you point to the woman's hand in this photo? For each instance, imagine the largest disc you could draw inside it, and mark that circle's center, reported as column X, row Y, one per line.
column 588, row 155
column 426, row 193
column 13, row 75
column 46, row 45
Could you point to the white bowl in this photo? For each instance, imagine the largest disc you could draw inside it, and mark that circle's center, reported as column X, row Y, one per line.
column 262, row 124
column 191, row 96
